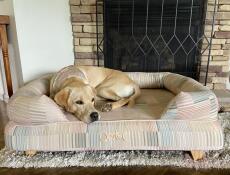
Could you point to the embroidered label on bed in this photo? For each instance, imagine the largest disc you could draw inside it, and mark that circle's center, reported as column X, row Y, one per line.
column 114, row 136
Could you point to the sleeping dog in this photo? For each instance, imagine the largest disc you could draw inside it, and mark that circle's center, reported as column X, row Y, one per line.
column 76, row 87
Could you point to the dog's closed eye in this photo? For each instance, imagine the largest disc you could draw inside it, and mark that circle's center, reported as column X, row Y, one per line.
column 79, row 102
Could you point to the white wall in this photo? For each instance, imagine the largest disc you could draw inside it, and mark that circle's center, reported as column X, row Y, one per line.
column 44, row 36
column 6, row 8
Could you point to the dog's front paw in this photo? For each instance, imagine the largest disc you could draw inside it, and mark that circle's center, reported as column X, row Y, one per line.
column 107, row 107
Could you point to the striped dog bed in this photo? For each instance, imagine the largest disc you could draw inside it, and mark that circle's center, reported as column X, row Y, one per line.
column 173, row 113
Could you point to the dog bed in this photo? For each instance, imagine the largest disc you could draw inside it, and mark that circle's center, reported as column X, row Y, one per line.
column 174, row 112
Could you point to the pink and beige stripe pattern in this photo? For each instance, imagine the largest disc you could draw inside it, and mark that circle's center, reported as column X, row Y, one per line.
column 189, row 122
column 116, row 135
column 192, row 106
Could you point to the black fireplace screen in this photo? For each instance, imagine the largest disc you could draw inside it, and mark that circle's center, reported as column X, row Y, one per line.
column 153, row 35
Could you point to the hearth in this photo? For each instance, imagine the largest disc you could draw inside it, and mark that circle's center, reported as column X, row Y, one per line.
column 153, row 35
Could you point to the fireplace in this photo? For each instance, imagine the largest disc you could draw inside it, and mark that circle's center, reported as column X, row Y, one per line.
column 154, row 36
column 168, row 41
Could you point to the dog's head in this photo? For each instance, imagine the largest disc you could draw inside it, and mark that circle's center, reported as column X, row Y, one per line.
column 79, row 101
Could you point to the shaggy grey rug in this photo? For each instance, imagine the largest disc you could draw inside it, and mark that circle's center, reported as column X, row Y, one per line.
column 213, row 159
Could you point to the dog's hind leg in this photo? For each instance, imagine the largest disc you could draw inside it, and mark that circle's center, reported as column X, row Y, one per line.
column 114, row 105
column 111, row 95
column 107, row 94
column 120, row 103
column 132, row 99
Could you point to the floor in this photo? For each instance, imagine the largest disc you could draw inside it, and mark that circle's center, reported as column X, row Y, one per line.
column 148, row 170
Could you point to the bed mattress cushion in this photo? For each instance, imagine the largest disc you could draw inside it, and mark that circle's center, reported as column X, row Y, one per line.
column 116, row 135
column 37, row 123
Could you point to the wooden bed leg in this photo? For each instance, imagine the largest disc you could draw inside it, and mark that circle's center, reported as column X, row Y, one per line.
column 30, row 153
column 197, row 155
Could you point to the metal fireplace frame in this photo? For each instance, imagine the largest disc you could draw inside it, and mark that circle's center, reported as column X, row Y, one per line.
column 100, row 36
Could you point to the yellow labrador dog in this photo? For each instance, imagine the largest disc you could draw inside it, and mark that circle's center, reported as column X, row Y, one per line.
column 75, row 88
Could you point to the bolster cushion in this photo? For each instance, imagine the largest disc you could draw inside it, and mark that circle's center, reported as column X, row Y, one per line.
column 192, row 106
column 31, row 104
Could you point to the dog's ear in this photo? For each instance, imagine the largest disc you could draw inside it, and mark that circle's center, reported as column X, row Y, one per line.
column 61, row 98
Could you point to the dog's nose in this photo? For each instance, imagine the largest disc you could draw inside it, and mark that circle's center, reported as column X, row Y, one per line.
column 94, row 116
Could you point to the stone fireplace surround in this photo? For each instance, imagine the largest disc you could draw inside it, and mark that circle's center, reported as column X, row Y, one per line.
column 83, row 17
